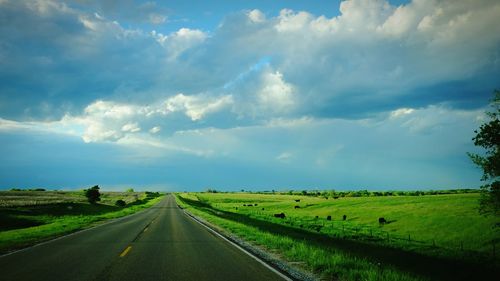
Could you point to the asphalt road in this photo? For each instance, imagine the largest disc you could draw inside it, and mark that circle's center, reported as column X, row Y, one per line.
column 161, row 243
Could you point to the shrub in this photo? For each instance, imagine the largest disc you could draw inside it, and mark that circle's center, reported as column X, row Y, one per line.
column 120, row 203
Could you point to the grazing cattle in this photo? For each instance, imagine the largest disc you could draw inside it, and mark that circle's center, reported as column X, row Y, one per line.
column 297, row 207
column 316, row 217
column 382, row 220
column 280, row 215
column 244, row 205
column 236, row 208
column 329, row 218
column 262, row 209
column 255, row 204
column 335, row 197
column 249, row 205
column 344, row 217
column 297, row 200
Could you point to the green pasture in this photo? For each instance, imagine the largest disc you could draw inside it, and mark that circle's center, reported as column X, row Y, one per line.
column 450, row 221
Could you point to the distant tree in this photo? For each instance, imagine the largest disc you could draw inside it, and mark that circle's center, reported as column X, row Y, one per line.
column 130, row 190
column 93, row 195
column 488, row 138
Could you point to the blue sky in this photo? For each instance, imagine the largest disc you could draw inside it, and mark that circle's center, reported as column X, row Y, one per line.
column 255, row 95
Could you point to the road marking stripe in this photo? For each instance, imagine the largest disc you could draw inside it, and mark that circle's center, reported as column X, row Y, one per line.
column 241, row 249
column 125, row 252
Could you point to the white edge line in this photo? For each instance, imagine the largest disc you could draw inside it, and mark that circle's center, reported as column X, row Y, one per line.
column 75, row 233
column 240, row 248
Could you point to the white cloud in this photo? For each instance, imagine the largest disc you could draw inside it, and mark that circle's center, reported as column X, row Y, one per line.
column 284, row 157
column 131, row 127
column 275, row 94
column 196, row 107
column 289, row 21
column 157, row 18
column 178, row 42
column 110, row 121
column 436, row 118
column 256, row 16
column 401, row 112
column 155, row 130
column 263, row 93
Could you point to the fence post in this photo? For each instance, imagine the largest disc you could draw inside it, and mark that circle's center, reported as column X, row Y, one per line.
column 409, row 238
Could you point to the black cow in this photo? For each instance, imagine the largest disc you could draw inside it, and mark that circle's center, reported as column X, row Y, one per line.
column 297, row 207
column 329, row 218
column 280, row 215
column 344, row 217
column 297, row 200
column 381, row 220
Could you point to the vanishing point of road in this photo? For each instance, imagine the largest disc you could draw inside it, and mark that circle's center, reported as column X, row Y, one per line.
column 160, row 243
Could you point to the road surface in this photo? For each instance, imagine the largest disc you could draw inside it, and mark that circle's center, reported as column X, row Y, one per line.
column 161, row 243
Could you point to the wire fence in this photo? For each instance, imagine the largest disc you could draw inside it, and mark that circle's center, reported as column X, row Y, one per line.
column 368, row 233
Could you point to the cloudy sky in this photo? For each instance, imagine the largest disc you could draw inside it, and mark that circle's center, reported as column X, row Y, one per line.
column 186, row 95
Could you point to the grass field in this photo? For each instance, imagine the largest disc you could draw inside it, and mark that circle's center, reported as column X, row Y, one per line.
column 29, row 217
column 435, row 232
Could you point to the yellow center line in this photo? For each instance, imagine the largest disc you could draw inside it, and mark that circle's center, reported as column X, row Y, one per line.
column 125, row 252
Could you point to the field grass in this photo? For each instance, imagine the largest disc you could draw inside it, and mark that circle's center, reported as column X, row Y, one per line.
column 445, row 233
column 29, row 217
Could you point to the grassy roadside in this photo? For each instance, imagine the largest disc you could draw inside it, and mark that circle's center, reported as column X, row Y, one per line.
column 331, row 257
column 24, row 224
